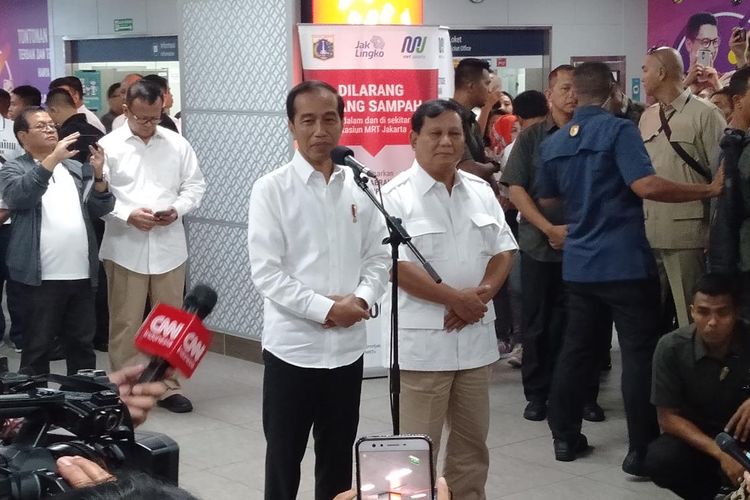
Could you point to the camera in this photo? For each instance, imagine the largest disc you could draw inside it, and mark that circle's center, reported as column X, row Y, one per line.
column 84, row 417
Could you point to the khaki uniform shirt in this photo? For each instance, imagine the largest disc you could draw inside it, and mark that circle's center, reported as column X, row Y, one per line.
column 697, row 126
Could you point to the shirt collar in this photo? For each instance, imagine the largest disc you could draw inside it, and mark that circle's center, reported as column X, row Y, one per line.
column 424, row 181
column 305, row 170
column 130, row 135
column 680, row 101
column 549, row 124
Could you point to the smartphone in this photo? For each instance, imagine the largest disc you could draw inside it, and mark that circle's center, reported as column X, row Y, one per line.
column 394, row 467
column 704, row 57
column 162, row 213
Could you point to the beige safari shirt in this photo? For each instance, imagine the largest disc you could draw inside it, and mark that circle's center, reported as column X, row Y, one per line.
column 697, row 125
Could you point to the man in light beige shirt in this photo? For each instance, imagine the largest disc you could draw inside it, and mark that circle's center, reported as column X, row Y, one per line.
column 678, row 232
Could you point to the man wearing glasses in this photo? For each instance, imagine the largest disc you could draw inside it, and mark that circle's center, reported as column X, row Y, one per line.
column 702, row 44
column 154, row 175
column 52, row 248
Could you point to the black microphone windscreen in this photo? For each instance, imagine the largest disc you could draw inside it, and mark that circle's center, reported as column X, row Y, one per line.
column 201, row 300
column 339, row 154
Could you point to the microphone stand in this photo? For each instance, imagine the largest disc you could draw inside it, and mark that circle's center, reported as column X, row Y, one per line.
column 398, row 236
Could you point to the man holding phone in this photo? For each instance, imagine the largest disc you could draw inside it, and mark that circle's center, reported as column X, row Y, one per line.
column 447, row 334
column 154, row 175
column 702, row 44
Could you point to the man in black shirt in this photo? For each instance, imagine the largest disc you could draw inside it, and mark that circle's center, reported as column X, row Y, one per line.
column 63, row 112
column 700, row 388
column 472, row 91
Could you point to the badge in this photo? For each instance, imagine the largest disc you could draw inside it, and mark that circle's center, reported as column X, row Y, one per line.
column 574, row 130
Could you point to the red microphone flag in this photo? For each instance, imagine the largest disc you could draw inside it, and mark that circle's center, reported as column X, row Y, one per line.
column 176, row 336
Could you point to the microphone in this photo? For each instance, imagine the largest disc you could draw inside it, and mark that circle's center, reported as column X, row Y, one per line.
column 341, row 155
column 176, row 337
column 732, row 448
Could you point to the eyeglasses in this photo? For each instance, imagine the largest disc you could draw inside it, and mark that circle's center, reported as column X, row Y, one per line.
column 146, row 121
column 708, row 42
column 41, row 127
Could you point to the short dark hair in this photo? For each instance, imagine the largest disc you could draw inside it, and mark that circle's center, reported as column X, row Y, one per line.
column 21, row 123
column 145, row 90
column 553, row 74
column 29, row 95
column 4, row 97
column 695, row 22
column 310, row 86
column 431, row 109
column 112, row 90
column 715, row 284
column 469, row 70
column 739, row 82
column 159, row 80
column 530, row 104
column 59, row 97
column 129, row 485
column 593, row 79
column 69, row 81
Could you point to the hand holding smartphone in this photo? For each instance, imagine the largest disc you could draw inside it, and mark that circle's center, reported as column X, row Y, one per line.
column 394, row 467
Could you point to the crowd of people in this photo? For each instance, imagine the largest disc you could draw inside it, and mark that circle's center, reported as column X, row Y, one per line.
column 92, row 230
column 550, row 217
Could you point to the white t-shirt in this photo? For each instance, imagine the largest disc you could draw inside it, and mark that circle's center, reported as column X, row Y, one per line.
column 9, row 147
column 64, row 245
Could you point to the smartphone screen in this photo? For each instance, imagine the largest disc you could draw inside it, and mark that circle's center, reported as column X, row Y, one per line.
column 394, row 467
column 704, row 57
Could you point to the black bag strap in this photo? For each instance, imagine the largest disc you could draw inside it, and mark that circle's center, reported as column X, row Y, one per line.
column 689, row 160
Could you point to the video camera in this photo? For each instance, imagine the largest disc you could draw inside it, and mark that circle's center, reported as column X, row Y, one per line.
column 84, row 417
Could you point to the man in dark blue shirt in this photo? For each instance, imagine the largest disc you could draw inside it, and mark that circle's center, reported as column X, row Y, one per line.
column 597, row 166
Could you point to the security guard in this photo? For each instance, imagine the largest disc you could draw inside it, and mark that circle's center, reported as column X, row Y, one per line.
column 598, row 167
column 700, row 387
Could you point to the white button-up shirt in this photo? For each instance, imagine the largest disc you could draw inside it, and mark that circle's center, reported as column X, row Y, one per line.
column 458, row 233
column 161, row 173
column 309, row 240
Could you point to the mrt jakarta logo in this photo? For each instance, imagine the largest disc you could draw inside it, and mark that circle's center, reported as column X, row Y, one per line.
column 323, row 47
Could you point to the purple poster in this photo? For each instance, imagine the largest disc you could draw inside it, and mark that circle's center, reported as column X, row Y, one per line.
column 706, row 38
column 24, row 44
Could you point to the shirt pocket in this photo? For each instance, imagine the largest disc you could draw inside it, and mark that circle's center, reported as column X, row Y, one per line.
column 484, row 233
column 428, row 236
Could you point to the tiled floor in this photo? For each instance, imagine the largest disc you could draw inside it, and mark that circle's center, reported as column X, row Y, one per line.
column 222, row 445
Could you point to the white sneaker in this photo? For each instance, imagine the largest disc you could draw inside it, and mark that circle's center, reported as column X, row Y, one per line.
column 515, row 359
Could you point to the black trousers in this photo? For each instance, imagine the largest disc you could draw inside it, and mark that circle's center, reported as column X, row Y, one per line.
column 634, row 306
column 14, row 295
column 543, row 323
column 62, row 309
column 673, row 464
column 294, row 401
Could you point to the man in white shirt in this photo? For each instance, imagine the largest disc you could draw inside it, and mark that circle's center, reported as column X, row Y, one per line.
column 52, row 248
column 154, row 175
column 447, row 334
column 73, row 85
column 317, row 259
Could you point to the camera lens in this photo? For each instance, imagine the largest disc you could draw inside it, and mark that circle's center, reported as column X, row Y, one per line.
column 373, row 445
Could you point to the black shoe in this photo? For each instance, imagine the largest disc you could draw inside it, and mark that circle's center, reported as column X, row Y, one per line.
column 567, row 452
column 535, row 411
column 634, row 463
column 592, row 412
column 176, row 403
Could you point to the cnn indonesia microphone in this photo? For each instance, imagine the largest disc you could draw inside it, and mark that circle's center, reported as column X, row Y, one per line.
column 341, row 155
column 176, row 338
